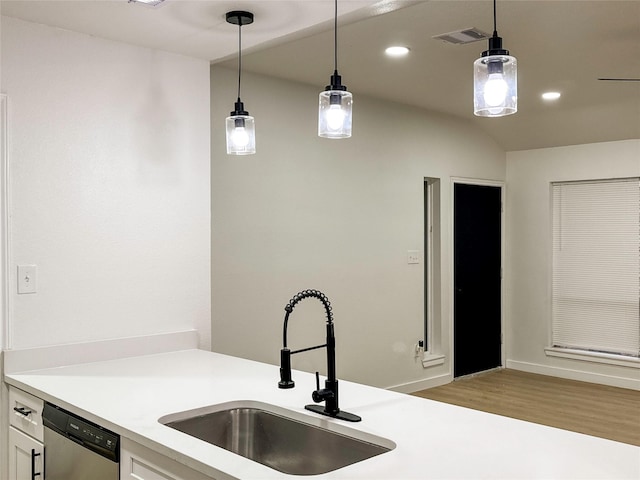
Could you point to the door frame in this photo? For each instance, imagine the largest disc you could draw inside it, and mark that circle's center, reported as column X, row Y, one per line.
column 491, row 183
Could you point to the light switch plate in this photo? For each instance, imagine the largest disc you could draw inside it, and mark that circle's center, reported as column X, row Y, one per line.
column 27, row 278
column 413, row 256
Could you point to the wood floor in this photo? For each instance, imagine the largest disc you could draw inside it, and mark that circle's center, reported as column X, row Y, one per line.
column 597, row 410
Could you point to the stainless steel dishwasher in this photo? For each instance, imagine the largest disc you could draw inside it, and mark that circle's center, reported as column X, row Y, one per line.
column 77, row 449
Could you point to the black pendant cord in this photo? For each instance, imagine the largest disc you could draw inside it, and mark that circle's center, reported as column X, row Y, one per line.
column 335, row 36
column 239, row 56
column 336, row 81
column 495, row 27
column 495, row 42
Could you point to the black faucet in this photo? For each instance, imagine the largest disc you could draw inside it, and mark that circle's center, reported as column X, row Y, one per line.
column 329, row 394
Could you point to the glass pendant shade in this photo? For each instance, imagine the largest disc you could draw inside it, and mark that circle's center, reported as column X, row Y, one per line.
column 334, row 114
column 241, row 135
column 495, row 86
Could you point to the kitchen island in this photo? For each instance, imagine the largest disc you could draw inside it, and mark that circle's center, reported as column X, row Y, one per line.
column 433, row 439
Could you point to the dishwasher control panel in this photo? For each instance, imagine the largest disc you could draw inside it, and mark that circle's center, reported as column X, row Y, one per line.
column 88, row 434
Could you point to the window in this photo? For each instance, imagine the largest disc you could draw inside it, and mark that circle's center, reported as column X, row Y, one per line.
column 596, row 266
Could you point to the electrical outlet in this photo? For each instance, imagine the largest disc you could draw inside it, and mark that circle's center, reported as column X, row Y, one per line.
column 27, row 278
column 413, row 256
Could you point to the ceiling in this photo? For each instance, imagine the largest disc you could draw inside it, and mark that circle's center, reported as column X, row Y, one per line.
column 561, row 45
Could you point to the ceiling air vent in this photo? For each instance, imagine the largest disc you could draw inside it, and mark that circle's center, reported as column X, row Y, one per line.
column 149, row 3
column 459, row 37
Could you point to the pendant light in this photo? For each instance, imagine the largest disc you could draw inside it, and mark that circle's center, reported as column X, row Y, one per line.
column 495, row 79
column 334, row 111
column 241, row 132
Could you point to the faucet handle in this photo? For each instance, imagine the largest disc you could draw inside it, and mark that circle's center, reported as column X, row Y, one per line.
column 320, row 395
column 317, row 395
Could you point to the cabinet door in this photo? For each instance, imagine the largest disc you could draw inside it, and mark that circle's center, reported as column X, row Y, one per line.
column 26, row 456
column 142, row 471
column 140, row 463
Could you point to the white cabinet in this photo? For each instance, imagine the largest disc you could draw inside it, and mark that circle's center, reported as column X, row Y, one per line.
column 26, row 450
column 26, row 456
column 140, row 463
column 25, row 413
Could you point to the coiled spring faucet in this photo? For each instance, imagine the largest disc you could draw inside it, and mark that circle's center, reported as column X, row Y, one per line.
column 328, row 394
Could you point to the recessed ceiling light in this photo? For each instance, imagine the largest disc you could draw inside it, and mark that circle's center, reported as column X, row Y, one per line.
column 396, row 51
column 551, row 95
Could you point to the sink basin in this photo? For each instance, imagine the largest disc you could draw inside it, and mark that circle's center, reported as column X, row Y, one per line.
column 278, row 438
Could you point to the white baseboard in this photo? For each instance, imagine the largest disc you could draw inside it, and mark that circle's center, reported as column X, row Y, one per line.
column 422, row 384
column 613, row 381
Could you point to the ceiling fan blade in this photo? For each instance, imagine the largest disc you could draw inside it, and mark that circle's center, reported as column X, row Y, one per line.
column 620, row 79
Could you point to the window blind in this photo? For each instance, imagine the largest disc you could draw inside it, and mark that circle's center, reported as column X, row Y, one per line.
column 596, row 266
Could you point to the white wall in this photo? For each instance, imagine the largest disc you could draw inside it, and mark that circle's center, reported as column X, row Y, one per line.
column 109, row 177
column 333, row 215
column 528, row 273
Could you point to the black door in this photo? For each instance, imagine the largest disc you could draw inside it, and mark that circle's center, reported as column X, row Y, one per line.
column 477, row 262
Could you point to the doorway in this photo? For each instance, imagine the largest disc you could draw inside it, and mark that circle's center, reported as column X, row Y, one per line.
column 477, row 306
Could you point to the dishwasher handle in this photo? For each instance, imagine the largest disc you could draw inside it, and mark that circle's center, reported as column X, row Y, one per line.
column 73, row 438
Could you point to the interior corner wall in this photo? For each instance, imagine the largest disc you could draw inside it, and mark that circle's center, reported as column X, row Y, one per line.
column 3, row 219
column 109, row 176
column 334, row 215
column 528, row 271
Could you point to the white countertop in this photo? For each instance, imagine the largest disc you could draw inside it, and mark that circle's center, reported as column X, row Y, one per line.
column 434, row 440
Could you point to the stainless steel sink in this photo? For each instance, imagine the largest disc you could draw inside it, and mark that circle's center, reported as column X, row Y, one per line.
column 278, row 438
